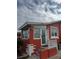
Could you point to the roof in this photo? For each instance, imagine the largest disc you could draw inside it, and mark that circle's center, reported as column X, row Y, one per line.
column 36, row 23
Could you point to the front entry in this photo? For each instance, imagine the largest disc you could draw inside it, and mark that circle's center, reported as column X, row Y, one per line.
column 44, row 39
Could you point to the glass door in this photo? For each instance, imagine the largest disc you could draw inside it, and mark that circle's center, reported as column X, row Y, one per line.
column 44, row 40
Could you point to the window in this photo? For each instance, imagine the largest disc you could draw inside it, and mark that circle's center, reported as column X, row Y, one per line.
column 25, row 34
column 54, row 32
column 37, row 33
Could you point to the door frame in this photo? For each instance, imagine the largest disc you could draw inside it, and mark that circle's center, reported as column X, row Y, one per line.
column 44, row 27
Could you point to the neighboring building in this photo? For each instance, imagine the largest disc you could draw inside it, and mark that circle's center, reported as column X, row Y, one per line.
column 41, row 39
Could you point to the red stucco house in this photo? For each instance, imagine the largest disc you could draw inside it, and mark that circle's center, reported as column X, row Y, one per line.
column 41, row 39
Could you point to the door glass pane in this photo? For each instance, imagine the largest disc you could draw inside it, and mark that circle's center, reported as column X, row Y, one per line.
column 43, row 37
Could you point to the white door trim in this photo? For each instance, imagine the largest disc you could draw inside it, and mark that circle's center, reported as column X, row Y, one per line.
column 44, row 27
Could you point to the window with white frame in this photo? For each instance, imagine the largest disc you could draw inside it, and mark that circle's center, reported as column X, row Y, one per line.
column 25, row 34
column 37, row 33
column 54, row 32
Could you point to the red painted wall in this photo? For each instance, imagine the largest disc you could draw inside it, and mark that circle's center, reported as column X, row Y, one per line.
column 58, row 25
column 32, row 40
column 52, row 52
column 37, row 43
column 46, row 53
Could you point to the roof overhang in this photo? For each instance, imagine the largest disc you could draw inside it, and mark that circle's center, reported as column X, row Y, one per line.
column 26, row 25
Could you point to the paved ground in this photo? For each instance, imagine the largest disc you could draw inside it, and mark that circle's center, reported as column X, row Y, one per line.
column 35, row 57
column 54, row 57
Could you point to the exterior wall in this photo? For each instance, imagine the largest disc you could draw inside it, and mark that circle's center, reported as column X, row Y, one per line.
column 37, row 43
column 49, row 52
column 52, row 52
column 58, row 25
column 44, row 54
column 32, row 40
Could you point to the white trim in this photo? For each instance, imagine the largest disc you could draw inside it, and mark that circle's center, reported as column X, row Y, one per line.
column 52, row 37
column 28, row 35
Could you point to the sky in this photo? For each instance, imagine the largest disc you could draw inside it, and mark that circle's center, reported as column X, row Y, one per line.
column 38, row 11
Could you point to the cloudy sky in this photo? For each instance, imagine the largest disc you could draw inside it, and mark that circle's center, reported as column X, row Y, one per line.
column 37, row 10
